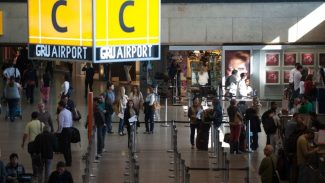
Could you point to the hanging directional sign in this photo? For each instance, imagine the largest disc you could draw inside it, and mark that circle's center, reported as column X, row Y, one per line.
column 95, row 30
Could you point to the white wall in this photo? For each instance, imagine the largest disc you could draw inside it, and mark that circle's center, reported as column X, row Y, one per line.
column 241, row 23
column 211, row 24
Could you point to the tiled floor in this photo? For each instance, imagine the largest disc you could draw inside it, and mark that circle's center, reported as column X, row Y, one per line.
column 152, row 153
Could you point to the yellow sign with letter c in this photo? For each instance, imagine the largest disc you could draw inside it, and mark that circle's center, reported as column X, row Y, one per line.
column 105, row 30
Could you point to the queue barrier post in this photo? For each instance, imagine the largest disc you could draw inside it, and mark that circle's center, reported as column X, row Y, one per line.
column 212, row 137
column 187, row 175
column 172, row 131
column 175, row 154
column 166, row 112
column 133, row 141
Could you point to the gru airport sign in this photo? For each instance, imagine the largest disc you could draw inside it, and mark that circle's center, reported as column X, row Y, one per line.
column 94, row 30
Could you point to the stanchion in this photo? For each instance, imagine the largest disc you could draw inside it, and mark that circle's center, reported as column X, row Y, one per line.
column 213, row 142
column 166, row 112
column 178, row 162
column 183, row 171
column 247, row 175
column 249, row 135
column 134, row 133
column 172, row 131
column 187, row 175
column 227, row 170
column 136, row 177
column 175, row 162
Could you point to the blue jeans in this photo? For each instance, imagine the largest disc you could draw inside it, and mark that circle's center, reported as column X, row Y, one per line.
column 121, row 126
column 47, row 163
column 12, row 105
column 108, row 121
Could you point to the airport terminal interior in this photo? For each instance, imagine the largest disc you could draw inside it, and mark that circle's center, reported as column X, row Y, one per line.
column 235, row 89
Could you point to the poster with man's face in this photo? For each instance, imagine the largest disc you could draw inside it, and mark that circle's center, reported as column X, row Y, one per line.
column 238, row 60
column 272, row 77
column 307, row 59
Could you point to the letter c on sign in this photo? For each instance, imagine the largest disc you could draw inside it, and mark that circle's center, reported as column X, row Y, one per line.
column 54, row 21
column 122, row 24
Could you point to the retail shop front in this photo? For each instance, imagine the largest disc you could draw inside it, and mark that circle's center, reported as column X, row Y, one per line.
column 194, row 70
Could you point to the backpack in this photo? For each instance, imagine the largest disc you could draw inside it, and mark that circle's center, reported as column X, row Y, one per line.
column 75, row 135
column 269, row 125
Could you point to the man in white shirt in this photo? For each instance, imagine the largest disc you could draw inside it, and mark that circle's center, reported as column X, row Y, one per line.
column 65, row 124
column 296, row 81
column 292, row 72
column 242, row 87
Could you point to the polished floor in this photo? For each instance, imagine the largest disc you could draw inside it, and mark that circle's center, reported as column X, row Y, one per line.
column 152, row 155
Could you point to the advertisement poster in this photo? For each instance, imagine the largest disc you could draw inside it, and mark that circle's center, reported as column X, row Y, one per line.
column 272, row 59
column 307, row 59
column 321, row 59
column 289, row 59
column 239, row 60
column 286, row 76
column 272, row 77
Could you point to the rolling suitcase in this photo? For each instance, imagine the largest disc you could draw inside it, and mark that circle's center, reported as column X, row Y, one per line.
column 202, row 138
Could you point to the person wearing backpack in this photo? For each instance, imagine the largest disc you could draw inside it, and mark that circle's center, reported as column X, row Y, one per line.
column 304, row 152
column 271, row 121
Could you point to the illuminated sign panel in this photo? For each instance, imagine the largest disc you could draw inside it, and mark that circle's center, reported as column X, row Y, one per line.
column 1, row 31
column 97, row 30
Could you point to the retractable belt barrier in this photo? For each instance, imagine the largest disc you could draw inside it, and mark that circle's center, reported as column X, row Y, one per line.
column 132, row 173
column 181, row 171
column 89, row 158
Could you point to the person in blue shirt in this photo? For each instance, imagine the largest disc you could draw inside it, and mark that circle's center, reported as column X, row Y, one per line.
column 109, row 100
column 13, row 169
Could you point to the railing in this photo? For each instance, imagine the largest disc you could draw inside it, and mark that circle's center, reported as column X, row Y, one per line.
column 181, row 172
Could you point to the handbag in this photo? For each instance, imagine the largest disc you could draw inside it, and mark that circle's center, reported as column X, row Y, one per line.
column 30, row 148
column 76, row 115
column 275, row 174
column 75, row 135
